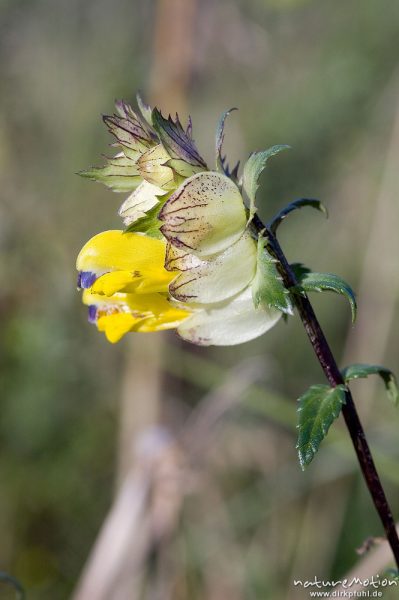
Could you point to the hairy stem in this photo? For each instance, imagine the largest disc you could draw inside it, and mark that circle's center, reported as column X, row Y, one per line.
column 333, row 374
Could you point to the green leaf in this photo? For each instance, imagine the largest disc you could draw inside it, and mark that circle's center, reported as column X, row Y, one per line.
column 299, row 270
column 319, row 282
column 297, row 204
column 220, row 162
column 392, row 574
column 357, row 371
column 318, row 407
column 252, row 171
column 268, row 289
column 150, row 224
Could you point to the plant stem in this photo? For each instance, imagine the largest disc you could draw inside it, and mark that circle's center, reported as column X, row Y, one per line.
column 333, row 374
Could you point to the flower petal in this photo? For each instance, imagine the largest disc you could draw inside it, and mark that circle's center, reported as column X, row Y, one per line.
column 217, row 278
column 115, row 326
column 115, row 281
column 138, row 254
column 139, row 202
column 205, row 215
column 121, row 313
column 228, row 323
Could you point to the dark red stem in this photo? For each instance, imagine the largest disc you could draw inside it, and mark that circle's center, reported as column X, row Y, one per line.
column 333, row 374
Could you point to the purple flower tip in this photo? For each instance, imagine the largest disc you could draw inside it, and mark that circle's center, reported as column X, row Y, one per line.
column 92, row 313
column 86, row 279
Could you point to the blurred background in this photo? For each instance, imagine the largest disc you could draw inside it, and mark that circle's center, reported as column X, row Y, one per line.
column 153, row 469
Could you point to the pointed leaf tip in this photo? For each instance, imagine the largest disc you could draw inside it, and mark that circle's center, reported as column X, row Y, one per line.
column 221, row 161
column 359, row 370
column 320, row 282
column 318, row 407
column 297, row 204
column 144, row 108
column 252, row 171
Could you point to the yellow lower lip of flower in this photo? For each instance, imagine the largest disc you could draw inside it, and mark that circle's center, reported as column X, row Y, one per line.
column 117, row 325
column 121, row 313
column 157, row 280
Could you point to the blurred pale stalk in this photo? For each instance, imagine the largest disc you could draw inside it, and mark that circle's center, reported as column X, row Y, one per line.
column 173, row 52
column 143, row 514
column 147, row 507
column 140, row 395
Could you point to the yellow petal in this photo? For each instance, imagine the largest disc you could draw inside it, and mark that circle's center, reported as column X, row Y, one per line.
column 113, row 282
column 115, row 251
column 121, row 313
column 117, row 325
column 129, row 282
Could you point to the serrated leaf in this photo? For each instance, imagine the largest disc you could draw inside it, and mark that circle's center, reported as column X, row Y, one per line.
column 320, row 282
column 220, row 162
column 319, row 406
column 252, row 171
column 357, row 371
column 177, row 142
column 297, row 204
column 268, row 290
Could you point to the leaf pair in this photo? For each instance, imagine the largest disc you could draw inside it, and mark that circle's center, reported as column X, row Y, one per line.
column 320, row 405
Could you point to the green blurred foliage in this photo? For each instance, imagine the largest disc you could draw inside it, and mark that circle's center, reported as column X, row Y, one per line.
column 319, row 76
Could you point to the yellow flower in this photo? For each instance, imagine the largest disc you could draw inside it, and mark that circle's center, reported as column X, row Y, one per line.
column 126, row 284
column 188, row 259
